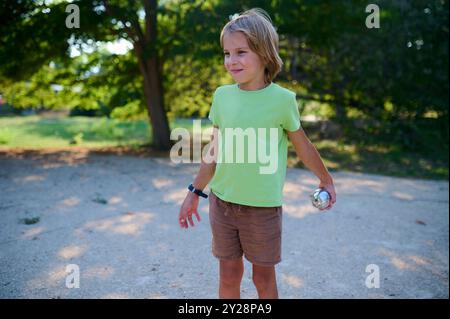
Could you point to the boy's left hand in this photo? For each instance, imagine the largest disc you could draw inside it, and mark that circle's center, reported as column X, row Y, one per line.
column 329, row 186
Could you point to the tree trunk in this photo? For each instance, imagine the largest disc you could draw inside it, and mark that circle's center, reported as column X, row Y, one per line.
column 154, row 100
column 341, row 114
column 149, row 61
column 294, row 58
column 151, row 70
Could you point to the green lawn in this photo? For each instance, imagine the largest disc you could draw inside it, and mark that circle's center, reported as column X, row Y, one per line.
column 43, row 132
column 382, row 160
column 36, row 132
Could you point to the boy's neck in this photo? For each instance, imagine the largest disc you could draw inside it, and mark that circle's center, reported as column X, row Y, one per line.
column 253, row 86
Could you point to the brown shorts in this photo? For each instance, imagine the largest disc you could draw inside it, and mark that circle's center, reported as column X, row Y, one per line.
column 240, row 229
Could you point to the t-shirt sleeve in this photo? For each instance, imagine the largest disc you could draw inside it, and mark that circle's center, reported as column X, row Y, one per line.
column 213, row 116
column 291, row 115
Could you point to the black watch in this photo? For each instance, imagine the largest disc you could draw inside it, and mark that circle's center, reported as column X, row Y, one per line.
column 197, row 191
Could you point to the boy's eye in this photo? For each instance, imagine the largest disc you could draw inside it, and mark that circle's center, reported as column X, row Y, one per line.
column 239, row 52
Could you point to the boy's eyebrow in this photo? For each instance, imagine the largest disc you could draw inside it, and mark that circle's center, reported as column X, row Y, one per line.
column 236, row 48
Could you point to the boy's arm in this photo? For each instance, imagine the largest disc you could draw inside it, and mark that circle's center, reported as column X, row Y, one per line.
column 206, row 172
column 207, row 168
column 309, row 155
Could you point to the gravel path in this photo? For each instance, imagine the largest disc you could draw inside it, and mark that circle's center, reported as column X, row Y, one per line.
column 115, row 217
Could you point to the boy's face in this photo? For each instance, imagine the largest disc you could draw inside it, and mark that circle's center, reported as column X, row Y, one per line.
column 244, row 65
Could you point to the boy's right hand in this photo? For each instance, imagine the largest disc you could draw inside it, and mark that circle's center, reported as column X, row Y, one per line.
column 189, row 207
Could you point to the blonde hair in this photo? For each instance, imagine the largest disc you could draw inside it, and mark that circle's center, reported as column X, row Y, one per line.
column 262, row 38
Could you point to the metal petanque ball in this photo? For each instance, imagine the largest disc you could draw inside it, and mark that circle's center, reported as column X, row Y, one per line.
column 320, row 198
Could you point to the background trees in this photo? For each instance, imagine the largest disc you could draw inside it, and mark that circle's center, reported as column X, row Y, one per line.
column 394, row 79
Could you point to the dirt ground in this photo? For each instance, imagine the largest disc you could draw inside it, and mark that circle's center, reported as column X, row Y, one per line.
column 114, row 216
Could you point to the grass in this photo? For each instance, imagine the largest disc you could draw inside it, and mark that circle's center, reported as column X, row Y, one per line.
column 37, row 132
column 43, row 132
column 382, row 160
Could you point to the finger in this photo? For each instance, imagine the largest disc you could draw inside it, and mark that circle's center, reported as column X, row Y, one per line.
column 197, row 215
column 331, row 196
column 183, row 222
column 190, row 220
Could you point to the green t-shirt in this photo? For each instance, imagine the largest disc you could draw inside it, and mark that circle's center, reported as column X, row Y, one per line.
column 259, row 119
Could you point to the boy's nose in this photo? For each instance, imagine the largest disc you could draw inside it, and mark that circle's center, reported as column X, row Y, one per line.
column 232, row 61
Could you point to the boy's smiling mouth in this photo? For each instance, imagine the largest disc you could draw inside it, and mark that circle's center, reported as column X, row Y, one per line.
column 236, row 71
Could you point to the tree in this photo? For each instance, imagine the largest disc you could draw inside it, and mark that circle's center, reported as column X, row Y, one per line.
column 35, row 36
column 403, row 64
column 395, row 74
